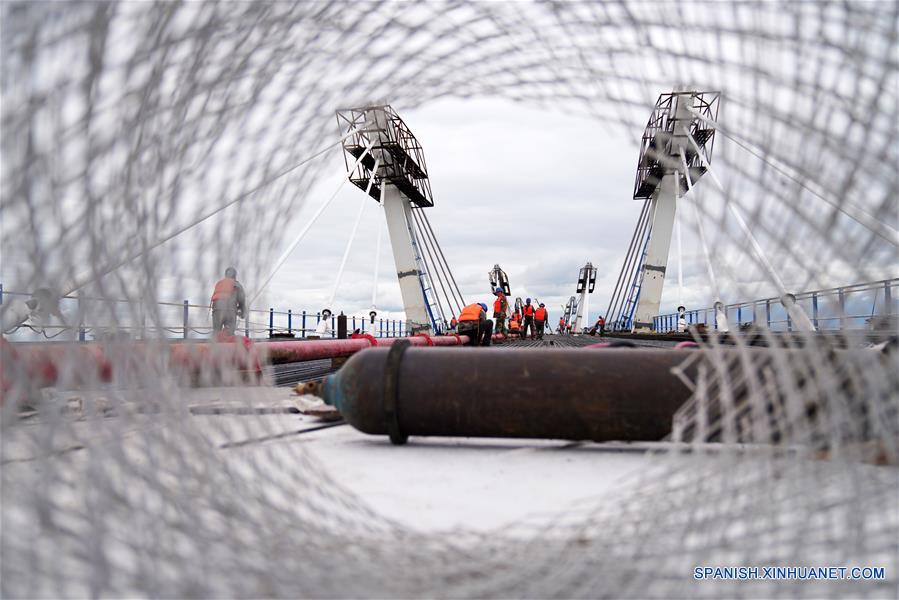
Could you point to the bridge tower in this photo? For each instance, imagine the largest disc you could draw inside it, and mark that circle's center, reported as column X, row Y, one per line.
column 677, row 143
column 586, row 283
column 393, row 172
column 499, row 279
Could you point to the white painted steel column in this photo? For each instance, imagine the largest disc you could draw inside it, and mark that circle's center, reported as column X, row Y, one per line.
column 664, row 208
column 399, row 226
column 582, row 311
column 656, row 261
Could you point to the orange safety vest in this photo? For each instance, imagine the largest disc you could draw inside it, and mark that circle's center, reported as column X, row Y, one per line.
column 224, row 288
column 601, row 321
column 498, row 304
column 513, row 325
column 472, row 312
column 453, row 322
column 541, row 314
column 561, row 321
column 528, row 310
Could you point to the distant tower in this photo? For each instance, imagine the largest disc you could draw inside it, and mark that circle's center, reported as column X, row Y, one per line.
column 586, row 283
column 499, row 279
column 395, row 163
column 667, row 154
column 570, row 310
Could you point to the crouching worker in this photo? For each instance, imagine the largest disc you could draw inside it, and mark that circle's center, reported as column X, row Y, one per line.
column 474, row 323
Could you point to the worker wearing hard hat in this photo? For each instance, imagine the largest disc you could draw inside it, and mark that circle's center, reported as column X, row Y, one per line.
column 541, row 319
column 474, row 323
column 228, row 303
column 500, row 309
column 528, row 312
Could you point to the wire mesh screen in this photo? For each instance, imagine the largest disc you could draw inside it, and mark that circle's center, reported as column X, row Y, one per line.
column 149, row 145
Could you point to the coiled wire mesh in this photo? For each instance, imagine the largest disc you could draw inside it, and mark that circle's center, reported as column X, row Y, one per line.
column 126, row 122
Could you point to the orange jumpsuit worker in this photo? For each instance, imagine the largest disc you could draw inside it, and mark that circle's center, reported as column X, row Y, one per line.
column 500, row 310
column 228, row 303
column 514, row 324
column 527, row 311
column 561, row 325
column 474, row 323
column 541, row 318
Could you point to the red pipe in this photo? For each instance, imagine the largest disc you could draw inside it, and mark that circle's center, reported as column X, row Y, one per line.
column 42, row 364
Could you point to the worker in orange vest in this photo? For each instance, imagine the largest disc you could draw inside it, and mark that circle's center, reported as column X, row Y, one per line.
column 453, row 323
column 601, row 323
column 514, row 324
column 561, row 325
column 474, row 323
column 541, row 318
column 500, row 310
column 527, row 311
column 228, row 303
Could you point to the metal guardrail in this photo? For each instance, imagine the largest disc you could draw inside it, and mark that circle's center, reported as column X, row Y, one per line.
column 828, row 309
column 261, row 323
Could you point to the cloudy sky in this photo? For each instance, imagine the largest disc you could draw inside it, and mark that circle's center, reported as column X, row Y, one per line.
column 535, row 191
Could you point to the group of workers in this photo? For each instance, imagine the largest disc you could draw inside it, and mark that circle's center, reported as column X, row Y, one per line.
column 229, row 303
column 530, row 320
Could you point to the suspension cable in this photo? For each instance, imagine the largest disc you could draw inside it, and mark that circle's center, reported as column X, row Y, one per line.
column 432, row 263
column 86, row 279
column 308, row 226
column 453, row 304
column 455, row 286
column 859, row 215
column 626, row 268
column 349, row 243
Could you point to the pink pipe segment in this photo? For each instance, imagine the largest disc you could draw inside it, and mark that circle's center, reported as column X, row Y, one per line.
column 44, row 364
column 298, row 351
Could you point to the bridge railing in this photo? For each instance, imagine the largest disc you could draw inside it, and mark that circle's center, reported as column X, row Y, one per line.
column 846, row 307
column 177, row 320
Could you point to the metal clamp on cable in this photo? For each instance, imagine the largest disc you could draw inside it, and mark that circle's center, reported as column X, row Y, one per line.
column 391, row 392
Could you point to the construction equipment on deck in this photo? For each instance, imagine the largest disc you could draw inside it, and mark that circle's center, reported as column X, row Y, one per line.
column 472, row 393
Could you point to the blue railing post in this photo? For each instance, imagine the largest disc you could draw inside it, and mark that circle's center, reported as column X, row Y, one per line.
column 739, row 316
column 887, row 299
column 289, row 321
column 789, row 322
column 185, row 319
column 271, row 321
column 768, row 313
column 815, row 309
column 303, row 324
column 394, row 328
column 354, row 323
column 1, row 293
column 333, row 326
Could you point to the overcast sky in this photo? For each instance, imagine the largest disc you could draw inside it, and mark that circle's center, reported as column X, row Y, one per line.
column 537, row 192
